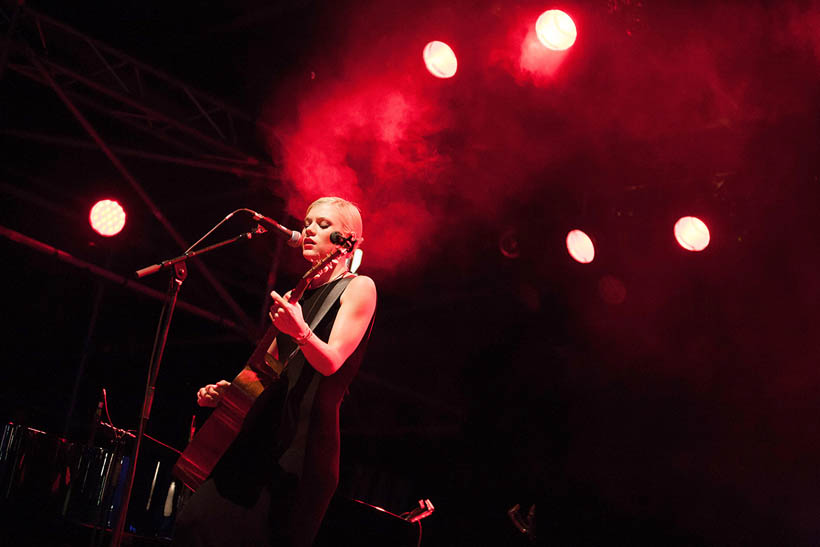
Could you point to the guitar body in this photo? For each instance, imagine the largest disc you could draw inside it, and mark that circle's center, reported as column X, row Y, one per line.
column 221, row 428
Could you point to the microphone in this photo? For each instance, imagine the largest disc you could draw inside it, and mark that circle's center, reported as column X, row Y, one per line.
column 294, row 237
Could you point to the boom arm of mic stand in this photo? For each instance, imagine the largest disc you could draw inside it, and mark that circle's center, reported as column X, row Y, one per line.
column 165, row 264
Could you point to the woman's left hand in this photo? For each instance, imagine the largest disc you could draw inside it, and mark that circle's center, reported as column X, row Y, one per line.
column 287, row 317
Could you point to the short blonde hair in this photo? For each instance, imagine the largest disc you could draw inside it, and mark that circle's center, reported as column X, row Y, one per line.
column 351, row 216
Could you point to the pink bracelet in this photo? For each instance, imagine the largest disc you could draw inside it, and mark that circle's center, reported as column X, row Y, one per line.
column 302, row 340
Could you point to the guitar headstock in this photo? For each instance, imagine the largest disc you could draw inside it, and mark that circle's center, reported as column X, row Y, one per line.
column 330, row 261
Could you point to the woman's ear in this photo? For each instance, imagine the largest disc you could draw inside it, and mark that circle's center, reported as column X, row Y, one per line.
column 358, row 240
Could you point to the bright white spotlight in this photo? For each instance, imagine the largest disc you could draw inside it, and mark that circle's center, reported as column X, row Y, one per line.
column 691, row 233
column 556, row 30
column 107, row 217
column 440, row 59
column 580, row 247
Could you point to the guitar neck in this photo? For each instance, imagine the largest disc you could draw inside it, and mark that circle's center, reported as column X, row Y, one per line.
column 257, row 358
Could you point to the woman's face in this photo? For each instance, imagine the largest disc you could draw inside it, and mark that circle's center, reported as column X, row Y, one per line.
column 320, row 221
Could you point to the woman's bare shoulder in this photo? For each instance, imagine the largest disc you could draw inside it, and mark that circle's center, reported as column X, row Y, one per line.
column 361, row 287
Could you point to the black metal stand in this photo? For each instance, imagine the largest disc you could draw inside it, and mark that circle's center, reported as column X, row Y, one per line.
column 180, row 273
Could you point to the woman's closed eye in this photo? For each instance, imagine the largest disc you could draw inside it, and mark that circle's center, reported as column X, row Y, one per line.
column 321, row 224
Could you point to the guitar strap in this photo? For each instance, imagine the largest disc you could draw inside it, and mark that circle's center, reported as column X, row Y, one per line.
column 328, row 302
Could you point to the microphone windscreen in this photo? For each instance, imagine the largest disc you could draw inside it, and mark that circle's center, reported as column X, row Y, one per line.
column 295, row 239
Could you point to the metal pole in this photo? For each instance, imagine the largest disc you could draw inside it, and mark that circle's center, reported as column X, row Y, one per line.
column 180, row 273
column 119, row 280
column 89, row 336
column 214, row 165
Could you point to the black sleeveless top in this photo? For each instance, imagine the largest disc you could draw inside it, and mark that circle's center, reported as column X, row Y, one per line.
column 293, row 428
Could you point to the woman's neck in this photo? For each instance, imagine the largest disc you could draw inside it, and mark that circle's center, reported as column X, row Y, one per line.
column 329, row 275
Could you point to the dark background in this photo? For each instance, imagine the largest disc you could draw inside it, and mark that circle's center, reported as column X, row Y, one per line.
column 682, row 412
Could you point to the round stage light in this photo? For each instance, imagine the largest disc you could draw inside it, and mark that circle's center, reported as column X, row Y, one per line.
column 107, row 217
column 691, row 233
column 580, row 247
column 556, row 30
column 440, row 59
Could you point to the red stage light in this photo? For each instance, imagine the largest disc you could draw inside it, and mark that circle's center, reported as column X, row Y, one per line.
column 556, row 30
column 580, row 247
column 107, row 217
column 691, row 233
column 440, row 59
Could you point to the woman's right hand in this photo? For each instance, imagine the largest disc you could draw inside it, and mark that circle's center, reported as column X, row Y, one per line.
column 211, row 394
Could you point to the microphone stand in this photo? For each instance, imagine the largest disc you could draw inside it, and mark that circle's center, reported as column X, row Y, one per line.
column 180, row 273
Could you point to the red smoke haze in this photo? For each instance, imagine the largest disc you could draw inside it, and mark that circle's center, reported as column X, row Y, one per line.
column 414, row 151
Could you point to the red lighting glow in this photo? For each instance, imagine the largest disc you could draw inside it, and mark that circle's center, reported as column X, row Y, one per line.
column 556, row 30
column 612, row 290
column 440, row 59
column 107, row 217
column 691, row 233
column 580, row 247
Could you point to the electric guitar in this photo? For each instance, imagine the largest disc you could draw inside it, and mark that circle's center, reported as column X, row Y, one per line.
column 262, row 369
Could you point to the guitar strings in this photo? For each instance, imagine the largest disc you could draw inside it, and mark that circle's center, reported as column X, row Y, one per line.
column 313, row 305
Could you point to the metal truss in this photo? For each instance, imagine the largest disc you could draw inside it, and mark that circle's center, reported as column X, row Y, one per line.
column 203, row 131
column 192, row 127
